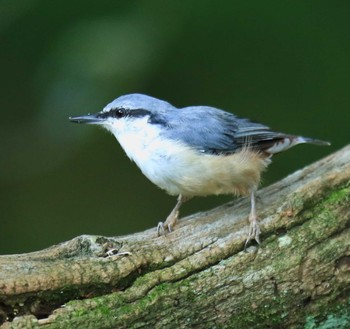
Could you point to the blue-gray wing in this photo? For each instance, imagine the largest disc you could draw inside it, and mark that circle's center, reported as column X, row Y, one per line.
column 211, row 130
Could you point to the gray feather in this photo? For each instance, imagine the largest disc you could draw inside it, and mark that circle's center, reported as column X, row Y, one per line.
column 207, row 129
column 211, row 130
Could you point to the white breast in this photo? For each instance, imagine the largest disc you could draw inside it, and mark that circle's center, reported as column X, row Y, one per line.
column 142, row 143
column 179, row 169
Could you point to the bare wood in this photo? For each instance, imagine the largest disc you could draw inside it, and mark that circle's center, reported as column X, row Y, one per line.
column 199, row 276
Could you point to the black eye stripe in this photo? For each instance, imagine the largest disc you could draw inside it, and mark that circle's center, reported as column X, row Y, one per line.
column 138, row 113
column 123, row 112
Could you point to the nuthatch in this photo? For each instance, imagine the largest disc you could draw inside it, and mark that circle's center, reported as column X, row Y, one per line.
column 195, row 150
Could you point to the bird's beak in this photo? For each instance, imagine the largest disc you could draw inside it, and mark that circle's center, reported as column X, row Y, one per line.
column 89, row 119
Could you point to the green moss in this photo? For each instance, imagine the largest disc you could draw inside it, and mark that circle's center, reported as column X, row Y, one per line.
column 332, row 322
column 275, row 313
column 323, row 216
column 338, row 196
column 334, row 197
column 338, row 317
column 272, row 314
column 328, row 218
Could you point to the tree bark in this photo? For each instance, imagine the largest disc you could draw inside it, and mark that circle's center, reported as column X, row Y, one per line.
column 200, row 276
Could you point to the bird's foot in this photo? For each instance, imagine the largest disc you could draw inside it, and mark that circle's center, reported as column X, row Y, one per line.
column 254, row 230
column 162, row 229
column 167, row 226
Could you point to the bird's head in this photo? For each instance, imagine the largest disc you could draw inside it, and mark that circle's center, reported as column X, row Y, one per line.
column 125, row 113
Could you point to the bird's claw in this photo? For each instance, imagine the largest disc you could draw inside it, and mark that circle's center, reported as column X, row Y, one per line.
column 162, row 228
column 254, row 232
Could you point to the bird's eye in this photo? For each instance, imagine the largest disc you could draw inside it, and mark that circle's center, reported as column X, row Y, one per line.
column 119, row 113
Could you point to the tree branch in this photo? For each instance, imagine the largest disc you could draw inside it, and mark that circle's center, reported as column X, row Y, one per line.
column 199, row 276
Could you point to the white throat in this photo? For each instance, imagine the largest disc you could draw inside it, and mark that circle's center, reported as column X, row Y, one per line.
column 136, row 136
column 143, row 144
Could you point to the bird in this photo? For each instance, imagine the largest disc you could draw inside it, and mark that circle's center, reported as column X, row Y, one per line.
column 193, row 151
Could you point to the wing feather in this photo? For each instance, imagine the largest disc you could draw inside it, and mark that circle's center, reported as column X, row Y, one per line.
column 214, row 131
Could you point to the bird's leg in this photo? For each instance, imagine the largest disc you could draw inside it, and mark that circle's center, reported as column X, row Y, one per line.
column 254, row 229
column 172, row 218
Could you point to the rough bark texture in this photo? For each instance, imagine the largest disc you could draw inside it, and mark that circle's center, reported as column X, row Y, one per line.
column 199, row 276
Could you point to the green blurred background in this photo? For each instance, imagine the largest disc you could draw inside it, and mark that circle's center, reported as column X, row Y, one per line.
column 283, row 63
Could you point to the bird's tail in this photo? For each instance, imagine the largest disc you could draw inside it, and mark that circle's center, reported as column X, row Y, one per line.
column 308, row 140
column 285, row 142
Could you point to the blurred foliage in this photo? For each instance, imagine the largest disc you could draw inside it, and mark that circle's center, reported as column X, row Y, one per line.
column 285, row 64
